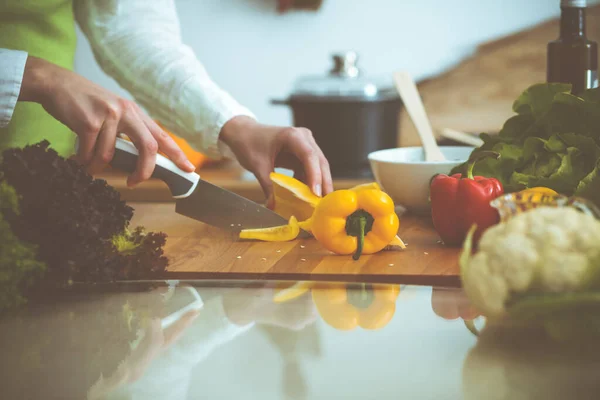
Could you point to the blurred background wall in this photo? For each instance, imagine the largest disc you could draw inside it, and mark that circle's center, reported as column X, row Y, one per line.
column 256, row 53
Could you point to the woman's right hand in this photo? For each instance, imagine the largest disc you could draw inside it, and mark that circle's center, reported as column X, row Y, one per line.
column 97, row 116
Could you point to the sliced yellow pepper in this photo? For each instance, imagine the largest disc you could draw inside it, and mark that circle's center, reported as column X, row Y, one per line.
column 283, row 233
column 292, row 197
column 359, row 222
column 371, row 185
column 347, row 306
column 396, row 243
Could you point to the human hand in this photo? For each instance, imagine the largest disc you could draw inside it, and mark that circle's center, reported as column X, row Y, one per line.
column 97, row 116
column 260, row 148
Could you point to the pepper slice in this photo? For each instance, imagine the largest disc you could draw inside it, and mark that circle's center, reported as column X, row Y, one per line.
column 355, row 222
column 458, row 202
column 283, row 233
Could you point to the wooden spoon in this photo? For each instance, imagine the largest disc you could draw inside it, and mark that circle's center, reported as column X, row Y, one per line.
column 462, row 137
column 414, row 105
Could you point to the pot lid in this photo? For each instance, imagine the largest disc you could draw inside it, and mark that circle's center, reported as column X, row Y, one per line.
column 345, row 80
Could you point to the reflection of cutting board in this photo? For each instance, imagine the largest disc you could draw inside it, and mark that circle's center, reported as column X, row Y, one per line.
column 198, row 251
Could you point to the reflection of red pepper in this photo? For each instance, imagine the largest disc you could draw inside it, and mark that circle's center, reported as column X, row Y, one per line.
column 452, row 303
column 458, row 202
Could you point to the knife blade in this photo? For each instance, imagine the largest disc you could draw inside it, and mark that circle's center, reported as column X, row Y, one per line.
column 201, row 200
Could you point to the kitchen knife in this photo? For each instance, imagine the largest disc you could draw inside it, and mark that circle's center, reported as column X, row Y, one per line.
column 198, row 199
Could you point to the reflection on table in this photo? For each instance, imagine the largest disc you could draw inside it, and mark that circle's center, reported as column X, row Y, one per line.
column 283, row 340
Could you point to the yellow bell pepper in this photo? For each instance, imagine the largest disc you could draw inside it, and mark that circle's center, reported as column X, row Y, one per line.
column 359, row 222
column 346, row 306
column 540, row 189
column 538, row 195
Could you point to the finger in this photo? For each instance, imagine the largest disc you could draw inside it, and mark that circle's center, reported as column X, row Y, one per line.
column 298, row 143
column 166, row 144
column 105, row 145
column 147, row 147
column 325, row 169
column 270, row 201
column 85, row 151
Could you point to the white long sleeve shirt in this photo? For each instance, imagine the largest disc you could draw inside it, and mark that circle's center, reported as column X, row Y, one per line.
column 12, row 66
column 138, row 43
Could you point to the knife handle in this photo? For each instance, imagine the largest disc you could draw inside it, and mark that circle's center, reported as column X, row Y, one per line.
column 180, row 183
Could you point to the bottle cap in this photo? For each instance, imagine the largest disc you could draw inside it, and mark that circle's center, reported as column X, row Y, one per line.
column 573, row 3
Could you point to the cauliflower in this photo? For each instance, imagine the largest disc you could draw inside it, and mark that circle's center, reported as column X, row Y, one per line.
column 544, row 250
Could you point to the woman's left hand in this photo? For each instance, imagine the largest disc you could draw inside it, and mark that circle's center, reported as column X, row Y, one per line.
column 260, row 148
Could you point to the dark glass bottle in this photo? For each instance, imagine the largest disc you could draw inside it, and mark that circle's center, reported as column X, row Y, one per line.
column 573, row 58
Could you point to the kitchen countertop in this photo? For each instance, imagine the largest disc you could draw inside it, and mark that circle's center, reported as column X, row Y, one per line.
column 239, row 344
column 212, row 338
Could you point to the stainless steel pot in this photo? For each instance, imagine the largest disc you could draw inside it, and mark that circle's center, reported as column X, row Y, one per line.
column 350, row 115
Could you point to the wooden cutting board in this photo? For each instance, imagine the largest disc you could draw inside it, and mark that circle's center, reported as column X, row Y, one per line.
column 199, row 251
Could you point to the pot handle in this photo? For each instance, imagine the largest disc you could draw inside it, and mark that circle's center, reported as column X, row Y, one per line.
column 278, row 102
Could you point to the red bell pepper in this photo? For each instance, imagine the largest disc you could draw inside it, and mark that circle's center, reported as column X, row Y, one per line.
column 458, row 202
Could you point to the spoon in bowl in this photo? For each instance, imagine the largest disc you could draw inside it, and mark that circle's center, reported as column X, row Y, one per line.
column 414, row 105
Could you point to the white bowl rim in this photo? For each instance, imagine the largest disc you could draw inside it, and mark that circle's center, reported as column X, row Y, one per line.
column 373, row 155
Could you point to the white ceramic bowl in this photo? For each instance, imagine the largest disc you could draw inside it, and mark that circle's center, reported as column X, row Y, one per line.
column 404, row 175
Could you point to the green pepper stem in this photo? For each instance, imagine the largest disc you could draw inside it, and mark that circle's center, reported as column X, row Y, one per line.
column 359, row 224
column 362, row 222
column 478, row 157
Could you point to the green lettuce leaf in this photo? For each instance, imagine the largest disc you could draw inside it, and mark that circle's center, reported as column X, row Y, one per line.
column 572, row 114
column 567, row 176
column 586, row 144
column 537, row 100
column 555, row 144
column 516, row 127
column 589, row 186
column 553, row 141
column 558, row 171
column 539, row 156
column 502, row 168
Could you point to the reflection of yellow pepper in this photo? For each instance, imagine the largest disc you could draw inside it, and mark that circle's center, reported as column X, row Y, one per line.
column 345, row 307
column 355, row 221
